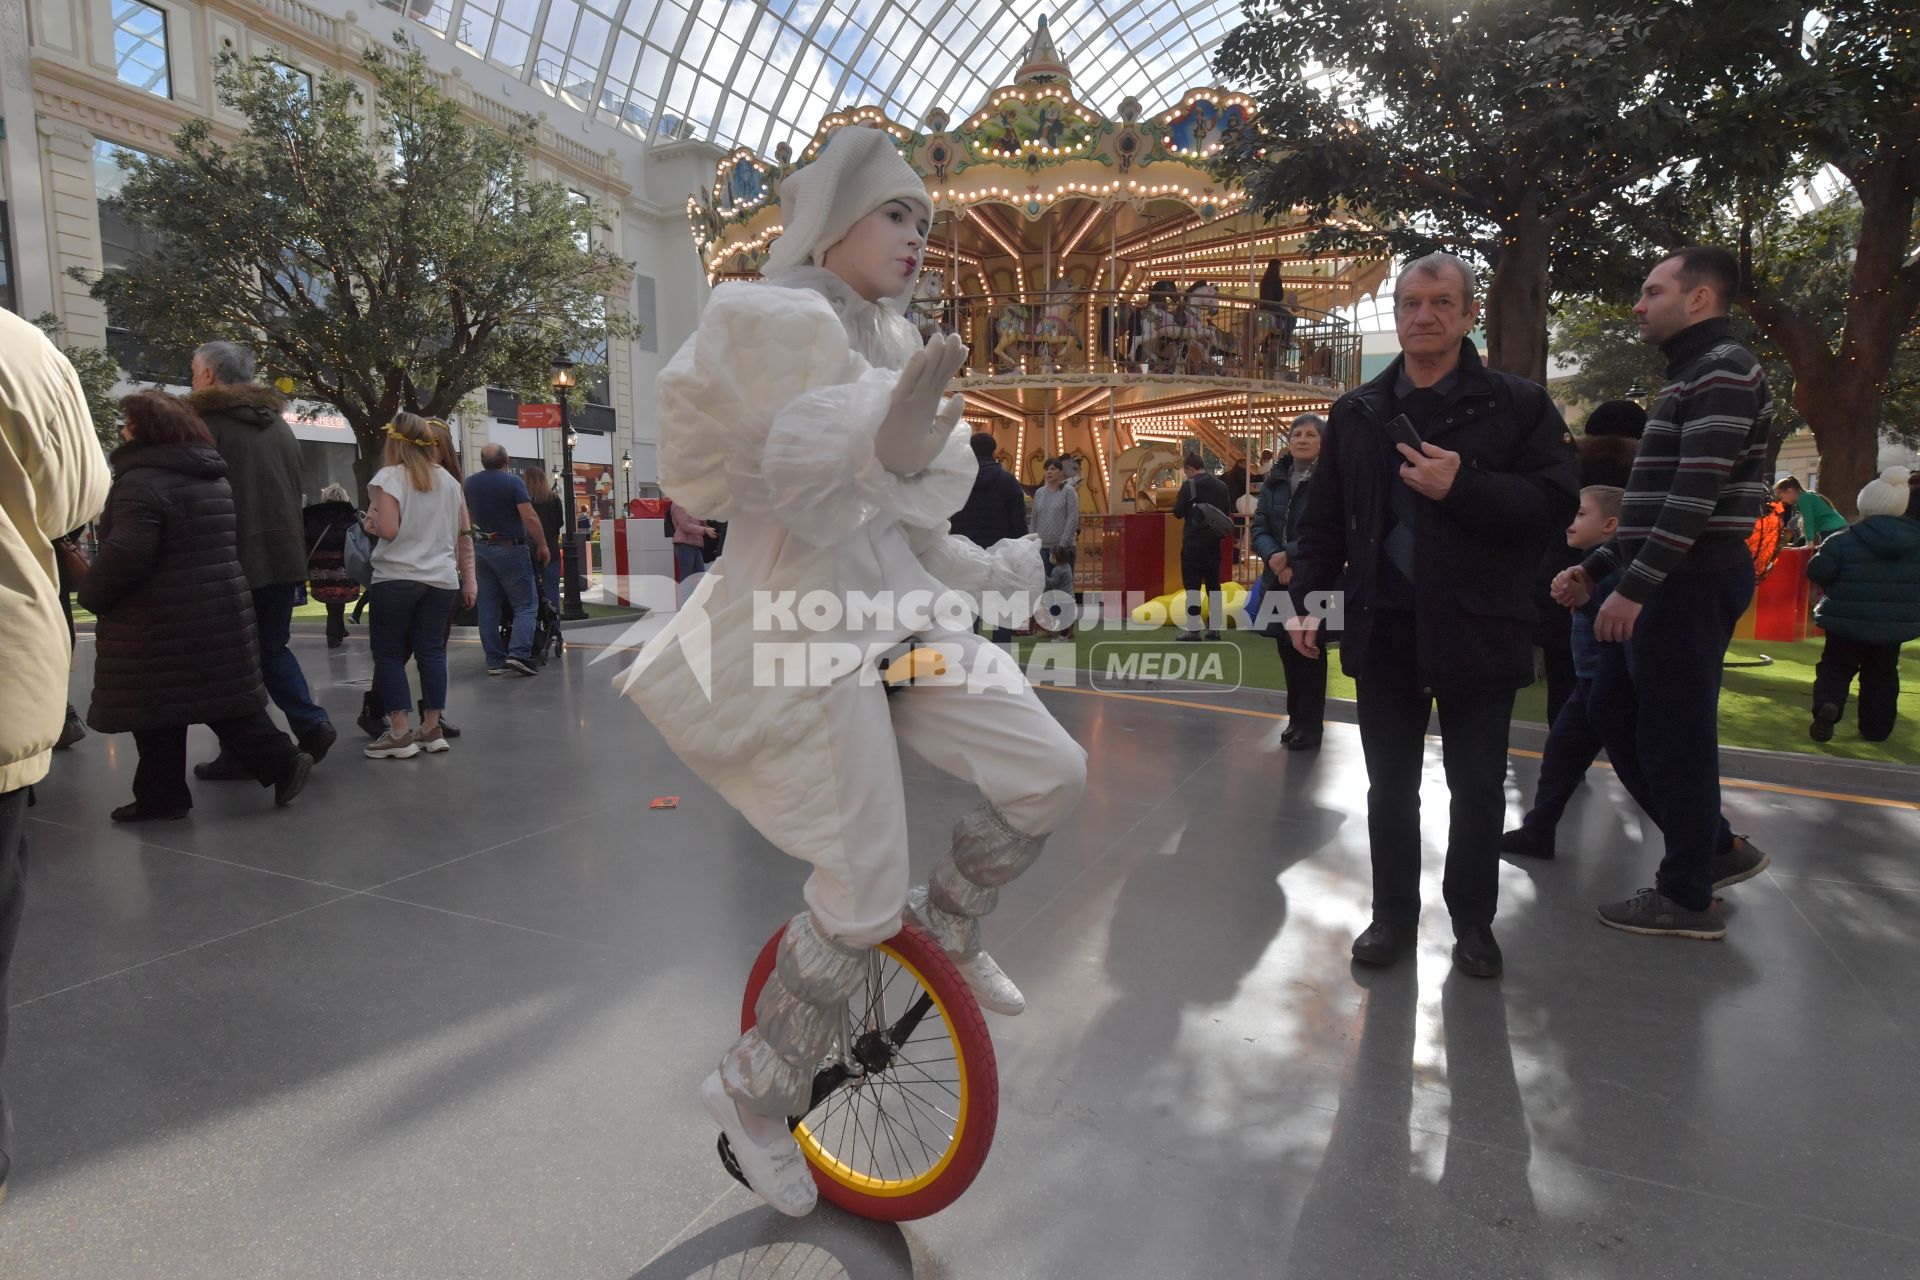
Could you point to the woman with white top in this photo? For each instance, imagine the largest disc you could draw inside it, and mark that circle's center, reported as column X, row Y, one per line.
column 422, row 564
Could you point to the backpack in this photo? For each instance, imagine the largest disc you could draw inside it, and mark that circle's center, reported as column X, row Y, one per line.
column 358, row 552
column 1216, row 523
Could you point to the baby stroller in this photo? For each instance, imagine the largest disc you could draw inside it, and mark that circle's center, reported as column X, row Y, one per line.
column 546, row 630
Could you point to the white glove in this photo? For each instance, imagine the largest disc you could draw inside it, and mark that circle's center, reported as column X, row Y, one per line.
column 918, row 422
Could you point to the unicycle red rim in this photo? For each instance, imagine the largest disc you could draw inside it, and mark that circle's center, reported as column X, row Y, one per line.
column 899, row 1199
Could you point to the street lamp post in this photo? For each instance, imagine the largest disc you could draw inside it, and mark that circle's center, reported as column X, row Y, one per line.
column 626, row 477
column 571, row 609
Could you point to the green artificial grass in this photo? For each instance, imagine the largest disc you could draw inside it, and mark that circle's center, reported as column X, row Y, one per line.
column 1767, row 707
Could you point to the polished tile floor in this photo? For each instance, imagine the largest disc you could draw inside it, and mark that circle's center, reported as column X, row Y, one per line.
column 445, row 1018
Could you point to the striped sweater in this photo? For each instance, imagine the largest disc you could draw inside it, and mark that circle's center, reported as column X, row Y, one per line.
column 1699, row 478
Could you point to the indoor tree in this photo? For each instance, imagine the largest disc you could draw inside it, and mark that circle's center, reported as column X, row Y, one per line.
column 377, row 256
column 1502, row 130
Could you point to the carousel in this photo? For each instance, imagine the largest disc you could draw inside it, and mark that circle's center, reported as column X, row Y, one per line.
column 1120, row 303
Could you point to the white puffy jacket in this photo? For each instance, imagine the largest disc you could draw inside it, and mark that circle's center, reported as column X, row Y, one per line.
column 767, row 419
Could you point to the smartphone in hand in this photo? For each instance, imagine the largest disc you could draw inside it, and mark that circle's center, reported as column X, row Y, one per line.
column 1400, row 431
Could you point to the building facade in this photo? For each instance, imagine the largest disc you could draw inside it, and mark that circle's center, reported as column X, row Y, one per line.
column 80, row 80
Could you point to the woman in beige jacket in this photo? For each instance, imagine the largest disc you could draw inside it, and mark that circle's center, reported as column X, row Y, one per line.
column 53, row 479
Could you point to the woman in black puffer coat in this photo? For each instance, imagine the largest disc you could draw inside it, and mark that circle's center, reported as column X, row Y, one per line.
column 175, row 643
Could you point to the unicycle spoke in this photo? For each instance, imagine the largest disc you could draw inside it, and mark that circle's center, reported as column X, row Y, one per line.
column 905, row 1103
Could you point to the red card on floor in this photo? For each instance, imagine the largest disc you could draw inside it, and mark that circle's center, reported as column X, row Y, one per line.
column 665, row 802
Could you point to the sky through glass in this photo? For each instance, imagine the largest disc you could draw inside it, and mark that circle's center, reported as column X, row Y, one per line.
column 757, row 73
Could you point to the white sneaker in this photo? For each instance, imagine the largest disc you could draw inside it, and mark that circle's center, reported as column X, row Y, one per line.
column 991, row 986
column 764, row 1148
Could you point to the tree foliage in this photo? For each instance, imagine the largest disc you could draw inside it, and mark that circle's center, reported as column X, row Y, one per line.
column 1814, row 86
column 397, row 262
column 99, row 373
column 1503, row 130
column 1804, row 256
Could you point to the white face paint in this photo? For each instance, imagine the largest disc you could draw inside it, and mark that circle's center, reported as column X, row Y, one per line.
column 880, row 255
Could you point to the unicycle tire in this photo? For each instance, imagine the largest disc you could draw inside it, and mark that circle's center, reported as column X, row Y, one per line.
column 905, row 1141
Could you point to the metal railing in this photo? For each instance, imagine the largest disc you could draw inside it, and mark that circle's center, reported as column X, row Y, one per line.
column 1077, row 331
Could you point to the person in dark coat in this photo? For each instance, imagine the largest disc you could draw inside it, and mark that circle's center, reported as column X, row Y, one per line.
column 326, row 523
column 1871, row 573
column 246, row 421
column 175, row 643
column 996, row 509
column 1200, row 549
column 1276, row 540
column 1436, row 550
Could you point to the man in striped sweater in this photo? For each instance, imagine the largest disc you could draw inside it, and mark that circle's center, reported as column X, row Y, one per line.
column 1685, row 577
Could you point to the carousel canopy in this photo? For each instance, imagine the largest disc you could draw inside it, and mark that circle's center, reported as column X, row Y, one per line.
column 1110, row 287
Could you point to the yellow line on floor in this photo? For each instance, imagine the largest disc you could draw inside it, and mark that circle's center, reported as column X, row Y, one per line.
column 1741, row 784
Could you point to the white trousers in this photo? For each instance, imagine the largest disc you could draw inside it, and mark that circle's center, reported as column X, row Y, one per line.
column 992, row 731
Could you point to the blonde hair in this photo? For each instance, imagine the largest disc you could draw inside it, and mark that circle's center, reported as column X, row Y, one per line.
column 334, row 493
column 539, row 488
column 449, row 454
column 412, row 444
column 1605, row 499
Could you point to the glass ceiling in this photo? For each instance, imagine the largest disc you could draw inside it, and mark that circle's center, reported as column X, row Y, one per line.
column 757, row 73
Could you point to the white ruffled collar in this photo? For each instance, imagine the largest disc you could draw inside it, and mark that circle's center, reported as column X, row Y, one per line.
column 872, row 327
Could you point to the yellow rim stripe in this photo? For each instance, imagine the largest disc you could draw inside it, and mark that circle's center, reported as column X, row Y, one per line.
column 845, row 1174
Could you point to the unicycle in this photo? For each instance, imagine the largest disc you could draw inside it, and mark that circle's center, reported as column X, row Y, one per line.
column 904, row 1104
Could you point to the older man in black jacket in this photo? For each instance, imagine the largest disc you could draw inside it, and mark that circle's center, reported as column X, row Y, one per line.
column 1436, row 548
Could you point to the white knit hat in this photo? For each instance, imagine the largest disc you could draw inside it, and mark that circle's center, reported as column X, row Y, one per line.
column 858, row 171
column 1886, row 496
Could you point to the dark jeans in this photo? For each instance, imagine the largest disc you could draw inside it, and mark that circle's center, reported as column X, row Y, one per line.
column 412, row 616
column 160, row 777
column 1394, row 710
column 1656, row 704
column 1877, row 665
column 1572, row 747
column 1561, row 677
column 550, row 583
column 13, row 902
column 1200, row 567
column 1306, row 687
column 687, row 561
column 504, row 575
column 336, row 620
column 286, row 683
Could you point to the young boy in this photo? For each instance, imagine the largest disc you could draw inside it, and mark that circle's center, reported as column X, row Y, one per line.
column 1573, row 744
column 1872, row 607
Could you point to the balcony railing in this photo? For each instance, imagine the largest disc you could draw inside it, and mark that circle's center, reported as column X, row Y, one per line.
column 1061, row 332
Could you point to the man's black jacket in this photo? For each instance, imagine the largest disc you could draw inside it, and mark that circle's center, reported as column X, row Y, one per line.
column 996, row 509
column 1201, row 487
column 1476, row 552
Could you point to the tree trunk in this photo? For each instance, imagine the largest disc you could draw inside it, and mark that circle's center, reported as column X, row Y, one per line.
column 1840, row 393
column 1846, row 426
column 1516, row 306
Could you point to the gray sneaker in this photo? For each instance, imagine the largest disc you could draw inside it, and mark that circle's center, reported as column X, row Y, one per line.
column 1655, row 914
column 432, row 740
column 392, row 746
column 1741, row 862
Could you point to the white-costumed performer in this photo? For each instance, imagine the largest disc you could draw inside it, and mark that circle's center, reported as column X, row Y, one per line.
column 806, row 413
